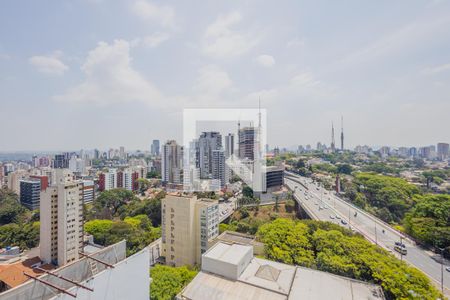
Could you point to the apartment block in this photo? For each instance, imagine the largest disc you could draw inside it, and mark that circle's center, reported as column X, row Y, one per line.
column 189, row 226
column 61, row 209
column 30, row 190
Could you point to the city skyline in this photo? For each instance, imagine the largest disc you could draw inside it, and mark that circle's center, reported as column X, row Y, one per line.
column 102, row 83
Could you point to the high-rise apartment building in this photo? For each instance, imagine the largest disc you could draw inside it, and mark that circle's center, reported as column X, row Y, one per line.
column 30, row 190
column 218, row 167
column 229, row 145
column 61, row 161
column 172, row 163
column 246, row 143
column 188, row 228
column 442, row 151
column 154, row 148
column 207, row 143
column 88, row 191
column 61, row 210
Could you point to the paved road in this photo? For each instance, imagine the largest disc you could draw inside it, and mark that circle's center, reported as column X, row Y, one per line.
column 226, row 209
column 326, row 206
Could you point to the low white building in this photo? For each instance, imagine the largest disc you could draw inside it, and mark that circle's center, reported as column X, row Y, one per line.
column 229, row 271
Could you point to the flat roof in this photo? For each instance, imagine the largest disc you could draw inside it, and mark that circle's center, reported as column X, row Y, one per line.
column 267, row 274
column 230, row 236
column 227, row 253
column 207, row 286
column 265, row 279
column 309, row 284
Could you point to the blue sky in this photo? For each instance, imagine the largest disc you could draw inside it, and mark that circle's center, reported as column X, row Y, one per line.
column 99, row 73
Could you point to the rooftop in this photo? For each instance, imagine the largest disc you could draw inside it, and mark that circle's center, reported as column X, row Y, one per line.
column 77, row 271
column 265, row 279
column 230, row 253
column 12, row 274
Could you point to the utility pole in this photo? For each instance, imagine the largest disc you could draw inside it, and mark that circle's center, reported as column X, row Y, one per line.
column 401, row 243
column 349, row 217
column 376, row 238
column 442, row 268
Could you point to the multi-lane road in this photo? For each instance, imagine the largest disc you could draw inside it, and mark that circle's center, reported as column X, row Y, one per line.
column 324, row 205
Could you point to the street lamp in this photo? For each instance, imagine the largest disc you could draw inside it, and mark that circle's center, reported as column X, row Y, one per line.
column 442, row 268
column 401, row 243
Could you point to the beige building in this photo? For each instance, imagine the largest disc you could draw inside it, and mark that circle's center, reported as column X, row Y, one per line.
column 189, row 226
column 61, row 209
column 14, row 180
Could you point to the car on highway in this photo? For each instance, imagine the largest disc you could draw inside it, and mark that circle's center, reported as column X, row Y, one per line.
column 343, row 222
column 401, row 250
column 400, row 244
column 338, row 217
column 331, row 217
column 447, row 269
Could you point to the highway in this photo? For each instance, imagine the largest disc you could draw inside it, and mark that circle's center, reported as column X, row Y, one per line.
column 324, row 205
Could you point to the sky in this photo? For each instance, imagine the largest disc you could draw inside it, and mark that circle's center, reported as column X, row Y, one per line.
column 106, row 73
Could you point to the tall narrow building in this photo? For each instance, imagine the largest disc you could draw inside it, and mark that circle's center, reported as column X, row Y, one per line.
column 172, row 163
column 155, row 148
column 333, row 144
column 229, row 145
column 208, row 142
column 61, row 210
column 246, row 143
column 342, row 133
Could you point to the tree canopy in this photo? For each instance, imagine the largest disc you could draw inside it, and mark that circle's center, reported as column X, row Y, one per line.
column 429, row 220
column 330, row 248
column 390, row 197
column 167, row 281
column 137, row 230
column 10, row 208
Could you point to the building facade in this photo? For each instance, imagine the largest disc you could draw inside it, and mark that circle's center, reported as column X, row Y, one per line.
column 172, row 163
column 246, row 143
column 30, row 190
column 188, row 227
column 442, row 151
column 61, row 209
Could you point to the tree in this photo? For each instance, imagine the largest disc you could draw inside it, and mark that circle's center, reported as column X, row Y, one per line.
column 290, row 205
column 137, row 231
column 153, row 174
column 287, row 241
column 344, row 169
column 167, row 281
column 329, row 247
column 429, row 220
column 25, row 236
column 247, row 191
column 113, row 200
column 380, row 191
column 10, row 208
column 143, row 185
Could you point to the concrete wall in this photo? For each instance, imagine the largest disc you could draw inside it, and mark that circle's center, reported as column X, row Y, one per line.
column 130, row 279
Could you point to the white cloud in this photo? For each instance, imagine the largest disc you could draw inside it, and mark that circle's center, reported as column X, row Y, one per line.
column 265, row 95
column 4, row 56
column 296, row 42
column 265, row 60
column 212, row 81
column 304, row 80
column 155, row 39
column 111, row 79
column 164, row 15
column 437, row 69
column 221, row 41
column 49, row 64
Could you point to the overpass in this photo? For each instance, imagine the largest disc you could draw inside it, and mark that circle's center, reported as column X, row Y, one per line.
column 324, row 205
